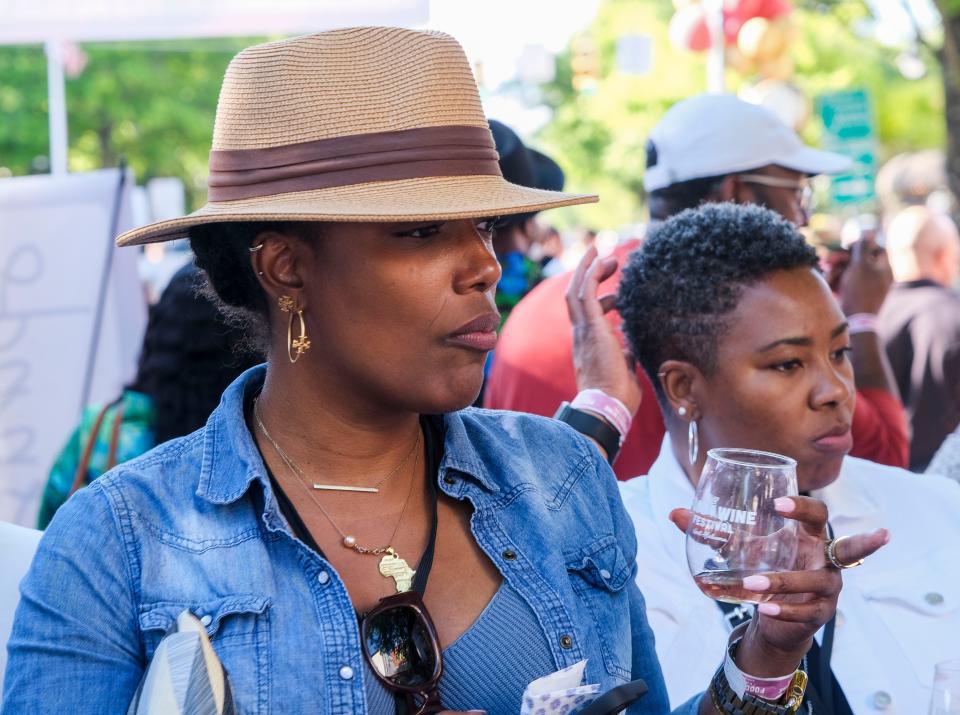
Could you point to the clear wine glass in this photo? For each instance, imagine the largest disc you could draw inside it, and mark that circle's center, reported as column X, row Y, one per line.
column 735, row 531
column 946, row 688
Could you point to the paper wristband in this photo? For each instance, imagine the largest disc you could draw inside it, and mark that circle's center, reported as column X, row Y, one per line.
column 861, row 323
column 610, row 408
column 741, row 683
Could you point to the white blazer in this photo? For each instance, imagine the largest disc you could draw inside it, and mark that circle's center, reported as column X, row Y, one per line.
column 898, row 614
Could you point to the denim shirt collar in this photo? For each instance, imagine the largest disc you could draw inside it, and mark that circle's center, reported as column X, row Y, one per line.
column 231, row 459
column 460, row 454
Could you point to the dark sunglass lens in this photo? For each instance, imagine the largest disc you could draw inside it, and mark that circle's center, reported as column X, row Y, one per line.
column 399, row 647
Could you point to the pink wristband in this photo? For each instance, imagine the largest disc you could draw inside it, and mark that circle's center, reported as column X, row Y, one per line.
column 862, row 323
column 610, row 408
column 741, row 683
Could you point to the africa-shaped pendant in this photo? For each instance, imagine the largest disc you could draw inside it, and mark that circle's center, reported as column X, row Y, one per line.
column 392, row 566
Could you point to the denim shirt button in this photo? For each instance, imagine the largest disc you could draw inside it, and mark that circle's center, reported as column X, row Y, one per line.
column 206, row 620
column 346, row 672
column 604, row 574
column 566, row 642
column 510, row 555
column 449, row 480
column 323, row 578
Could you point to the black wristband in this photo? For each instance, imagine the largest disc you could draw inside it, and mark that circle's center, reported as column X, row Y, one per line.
column 727, row 701
column 590, row 426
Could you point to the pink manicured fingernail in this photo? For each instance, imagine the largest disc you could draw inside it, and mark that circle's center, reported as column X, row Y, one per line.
column 769, row 609
column 784, row 504
column 886, row 535
column 756, row 583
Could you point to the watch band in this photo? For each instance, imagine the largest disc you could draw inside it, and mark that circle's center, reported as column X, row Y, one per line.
column 593, row 427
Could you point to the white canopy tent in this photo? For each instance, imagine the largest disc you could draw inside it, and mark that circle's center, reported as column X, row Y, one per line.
column 60, row 274
column 55, row 22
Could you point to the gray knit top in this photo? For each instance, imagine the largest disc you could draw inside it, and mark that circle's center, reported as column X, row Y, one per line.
column 476, row 675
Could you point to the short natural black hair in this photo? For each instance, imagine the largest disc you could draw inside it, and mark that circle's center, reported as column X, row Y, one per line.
column 679, row 196
column 679, row 287
column 222, row 252
column 683, row 195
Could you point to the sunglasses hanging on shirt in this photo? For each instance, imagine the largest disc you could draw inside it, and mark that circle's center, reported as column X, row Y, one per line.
column 400, row 642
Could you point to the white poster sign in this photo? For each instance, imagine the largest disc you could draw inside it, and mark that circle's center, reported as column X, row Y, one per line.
column 26, row 21
column 72, row 315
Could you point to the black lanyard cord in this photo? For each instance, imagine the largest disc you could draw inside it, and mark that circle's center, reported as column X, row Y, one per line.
column 426, row 559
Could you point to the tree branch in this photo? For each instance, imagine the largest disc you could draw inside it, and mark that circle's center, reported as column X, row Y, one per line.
column 917, row 31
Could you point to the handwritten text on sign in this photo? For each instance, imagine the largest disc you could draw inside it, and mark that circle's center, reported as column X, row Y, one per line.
column 54, row 234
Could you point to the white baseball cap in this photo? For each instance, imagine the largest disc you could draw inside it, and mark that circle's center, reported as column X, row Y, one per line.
column 717, row 134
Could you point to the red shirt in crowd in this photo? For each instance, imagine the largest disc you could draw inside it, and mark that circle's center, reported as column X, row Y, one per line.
column 533, row 372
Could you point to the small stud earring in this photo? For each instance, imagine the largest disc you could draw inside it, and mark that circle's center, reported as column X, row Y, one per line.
column 682, row 411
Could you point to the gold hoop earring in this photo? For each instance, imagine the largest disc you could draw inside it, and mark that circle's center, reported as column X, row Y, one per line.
column 300, row 344
column 295, row 346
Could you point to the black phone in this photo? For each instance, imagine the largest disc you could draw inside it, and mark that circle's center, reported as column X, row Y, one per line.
column 615, row 700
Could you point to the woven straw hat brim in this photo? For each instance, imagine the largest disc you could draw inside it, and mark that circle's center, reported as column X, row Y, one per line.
column 426, row 199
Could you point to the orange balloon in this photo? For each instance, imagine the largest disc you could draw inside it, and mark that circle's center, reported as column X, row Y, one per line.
column 762, row 40
column 736, row 61
column 779, row 68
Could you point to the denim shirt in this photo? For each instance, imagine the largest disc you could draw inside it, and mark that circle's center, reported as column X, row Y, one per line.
column 179, row 528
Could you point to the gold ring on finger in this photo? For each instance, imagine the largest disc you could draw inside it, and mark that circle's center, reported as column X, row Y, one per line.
column 830, row 553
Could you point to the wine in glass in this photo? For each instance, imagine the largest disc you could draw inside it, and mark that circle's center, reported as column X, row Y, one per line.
column 735, row 531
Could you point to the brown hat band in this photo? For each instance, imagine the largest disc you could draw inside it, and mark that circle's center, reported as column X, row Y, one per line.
column 356, row 159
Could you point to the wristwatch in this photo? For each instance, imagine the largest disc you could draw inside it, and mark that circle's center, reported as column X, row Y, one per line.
column 593, row 427
column 726, row 700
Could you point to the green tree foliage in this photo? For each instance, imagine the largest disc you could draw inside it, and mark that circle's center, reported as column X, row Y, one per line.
column 599, row 137
column 150, row 102
column 154, row 102
column 832, row 55
column 23, row 110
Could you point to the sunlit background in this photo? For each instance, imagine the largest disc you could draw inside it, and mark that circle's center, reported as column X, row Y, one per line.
column 583, row 81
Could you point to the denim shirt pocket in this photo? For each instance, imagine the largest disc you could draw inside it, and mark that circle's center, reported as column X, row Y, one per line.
column 599, row 574
column 239, row 630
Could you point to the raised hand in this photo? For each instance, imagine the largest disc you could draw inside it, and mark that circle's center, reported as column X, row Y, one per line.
column 866, row 279
column 802, row 600
column 599, row 358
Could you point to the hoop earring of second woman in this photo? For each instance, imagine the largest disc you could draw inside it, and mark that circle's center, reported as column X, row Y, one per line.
column 693, row 442
column 295, row 346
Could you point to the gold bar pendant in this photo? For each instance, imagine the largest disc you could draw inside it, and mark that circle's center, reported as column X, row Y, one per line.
column 338, row 488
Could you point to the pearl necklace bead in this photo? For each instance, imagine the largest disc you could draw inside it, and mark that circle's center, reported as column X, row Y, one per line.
column 349, row 541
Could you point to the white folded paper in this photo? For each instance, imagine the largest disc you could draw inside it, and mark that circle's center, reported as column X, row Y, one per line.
column 559, row 693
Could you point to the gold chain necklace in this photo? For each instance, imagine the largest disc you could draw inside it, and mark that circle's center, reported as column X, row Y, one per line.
column 391, row 565
column 333, row 487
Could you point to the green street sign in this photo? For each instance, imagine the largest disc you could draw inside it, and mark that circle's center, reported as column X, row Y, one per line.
column 849, row 129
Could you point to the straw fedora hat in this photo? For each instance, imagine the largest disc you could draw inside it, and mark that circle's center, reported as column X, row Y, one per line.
column 359, row 124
